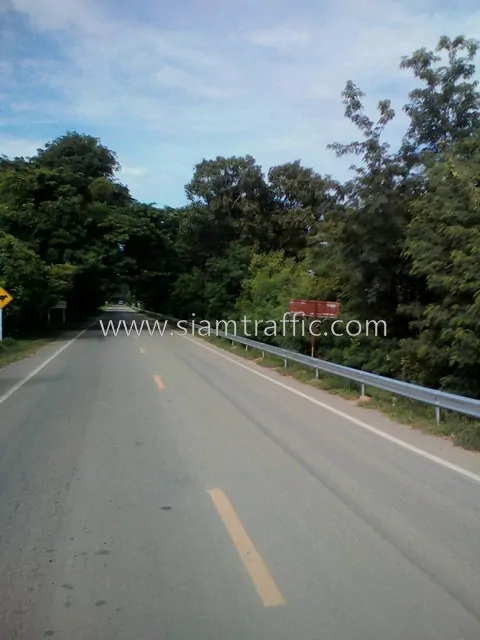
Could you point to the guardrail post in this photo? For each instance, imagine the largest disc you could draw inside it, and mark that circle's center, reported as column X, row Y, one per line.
column 246, row 347
column 437, row 414
column 316, row 374
column 362, row 389
column 284, row 362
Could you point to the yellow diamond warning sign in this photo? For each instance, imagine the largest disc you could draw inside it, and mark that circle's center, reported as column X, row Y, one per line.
column 5, row 298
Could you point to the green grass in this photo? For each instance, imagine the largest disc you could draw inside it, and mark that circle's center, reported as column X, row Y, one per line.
column 461, row 430
column 12, row 350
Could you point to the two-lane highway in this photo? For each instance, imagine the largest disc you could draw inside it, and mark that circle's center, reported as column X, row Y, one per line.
column 156, row 488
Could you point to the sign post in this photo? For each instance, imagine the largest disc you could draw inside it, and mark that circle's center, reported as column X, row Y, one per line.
column 315, row 309
column 313, row 335
column 5, row 298
column 61, row 304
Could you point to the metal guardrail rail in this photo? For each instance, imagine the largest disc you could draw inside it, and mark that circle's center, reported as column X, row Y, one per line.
column 438, row 399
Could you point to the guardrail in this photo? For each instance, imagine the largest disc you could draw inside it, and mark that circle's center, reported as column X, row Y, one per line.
column 438, row 399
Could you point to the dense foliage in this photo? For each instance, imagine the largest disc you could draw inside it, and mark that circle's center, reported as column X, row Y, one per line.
column 399, row 242
column 69, row 231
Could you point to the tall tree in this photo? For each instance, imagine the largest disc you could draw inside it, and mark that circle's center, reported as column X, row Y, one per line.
column 233, row 202
column 369, row 236
column 444, row 245
column 78, row 153
column 303, row 201
column 446, row 108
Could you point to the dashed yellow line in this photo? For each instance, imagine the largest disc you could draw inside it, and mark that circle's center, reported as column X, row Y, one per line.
column 263, row 581
column 159, row 381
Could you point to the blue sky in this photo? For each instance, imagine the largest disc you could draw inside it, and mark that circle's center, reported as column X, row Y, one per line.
column 167, row 84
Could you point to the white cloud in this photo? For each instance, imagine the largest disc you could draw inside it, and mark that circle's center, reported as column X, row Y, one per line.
column 177, row 78
column 272, row 90
column 52, row 15
column 132, row 171
column 19, row 147
column 279, row 37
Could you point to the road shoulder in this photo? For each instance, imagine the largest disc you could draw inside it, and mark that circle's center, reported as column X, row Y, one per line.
column 434, row 445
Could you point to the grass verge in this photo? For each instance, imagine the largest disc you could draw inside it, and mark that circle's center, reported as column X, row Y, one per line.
column 14, row 349
column 461, row 430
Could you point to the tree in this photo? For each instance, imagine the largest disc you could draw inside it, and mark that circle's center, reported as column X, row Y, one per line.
column 232, row 203
column 85, row 227
column 446, row 108
column 443, row 244
column 303, row 201
column 79, row 154
column 25, row 277
column 272, row 280
column 370, row 234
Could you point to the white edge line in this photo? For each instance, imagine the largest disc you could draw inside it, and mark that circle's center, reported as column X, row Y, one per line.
column 382, row 434
column 41, row 366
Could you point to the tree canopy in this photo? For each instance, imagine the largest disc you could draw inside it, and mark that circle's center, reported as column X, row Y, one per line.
column 398, row 242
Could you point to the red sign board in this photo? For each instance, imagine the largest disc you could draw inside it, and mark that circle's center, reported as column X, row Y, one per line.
column 315, row 308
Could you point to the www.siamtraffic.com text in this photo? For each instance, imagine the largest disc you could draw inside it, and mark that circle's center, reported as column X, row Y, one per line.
column 288, row 326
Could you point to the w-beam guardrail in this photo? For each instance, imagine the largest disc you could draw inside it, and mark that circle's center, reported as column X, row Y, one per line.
column 438, row 399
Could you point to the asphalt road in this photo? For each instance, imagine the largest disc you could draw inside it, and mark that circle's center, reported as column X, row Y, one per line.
column 155, row 488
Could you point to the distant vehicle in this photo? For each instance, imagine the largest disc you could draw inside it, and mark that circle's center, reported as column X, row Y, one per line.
column 120, row 302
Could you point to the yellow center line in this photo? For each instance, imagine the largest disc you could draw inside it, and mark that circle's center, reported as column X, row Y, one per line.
column 159, row 381
column 142, row 350
column 263, row 581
